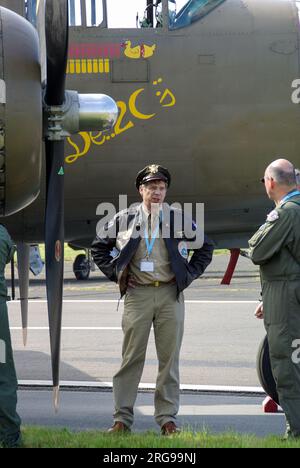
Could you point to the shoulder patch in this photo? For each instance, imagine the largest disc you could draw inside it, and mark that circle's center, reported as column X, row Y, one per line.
column 183, row 249
column 273, row 216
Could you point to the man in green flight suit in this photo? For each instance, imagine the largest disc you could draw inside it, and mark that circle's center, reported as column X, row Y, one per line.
column 276, row 248
column 9, row 420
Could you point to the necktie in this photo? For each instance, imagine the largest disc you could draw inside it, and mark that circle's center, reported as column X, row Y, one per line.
column 149, row 227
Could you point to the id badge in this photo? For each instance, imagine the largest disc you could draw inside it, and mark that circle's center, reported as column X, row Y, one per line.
column 146, row 265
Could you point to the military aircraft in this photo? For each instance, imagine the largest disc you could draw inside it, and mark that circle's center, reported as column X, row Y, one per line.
column 36, row 106
column 203, row 87
column 206, row 92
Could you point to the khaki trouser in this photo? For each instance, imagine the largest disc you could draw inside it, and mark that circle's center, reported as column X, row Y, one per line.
column 144, row 306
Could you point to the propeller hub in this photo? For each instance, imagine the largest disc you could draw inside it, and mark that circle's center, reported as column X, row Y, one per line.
column 80, row 112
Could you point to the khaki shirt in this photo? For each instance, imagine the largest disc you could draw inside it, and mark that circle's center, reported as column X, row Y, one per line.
column 159, row 255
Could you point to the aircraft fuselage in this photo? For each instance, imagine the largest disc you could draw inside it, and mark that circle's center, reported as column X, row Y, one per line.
column 212, row 102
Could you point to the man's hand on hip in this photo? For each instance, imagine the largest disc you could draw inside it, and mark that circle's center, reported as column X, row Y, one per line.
column 131, row 282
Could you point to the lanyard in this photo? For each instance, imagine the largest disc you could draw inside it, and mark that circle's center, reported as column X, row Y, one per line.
column 150, row 245
column 294, row 193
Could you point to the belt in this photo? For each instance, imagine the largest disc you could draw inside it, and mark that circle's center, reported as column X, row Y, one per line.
column 157, row 284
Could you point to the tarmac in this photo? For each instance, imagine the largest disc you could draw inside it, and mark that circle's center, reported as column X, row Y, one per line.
column 81, row 411
column 220, row 388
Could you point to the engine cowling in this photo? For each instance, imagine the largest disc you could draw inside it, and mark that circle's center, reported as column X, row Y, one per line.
column 21, row 119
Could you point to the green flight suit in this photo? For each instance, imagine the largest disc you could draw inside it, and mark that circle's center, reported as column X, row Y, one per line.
column 9, row 419
column 276, row 248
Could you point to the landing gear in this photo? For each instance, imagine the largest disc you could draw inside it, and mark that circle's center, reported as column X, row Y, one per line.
column 82, row 267
column 264, row 371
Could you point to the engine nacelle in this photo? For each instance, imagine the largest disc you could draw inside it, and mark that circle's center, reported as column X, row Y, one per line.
column 21, row 119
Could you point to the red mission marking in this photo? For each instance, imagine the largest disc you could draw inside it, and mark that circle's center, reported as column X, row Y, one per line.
column 87, row 50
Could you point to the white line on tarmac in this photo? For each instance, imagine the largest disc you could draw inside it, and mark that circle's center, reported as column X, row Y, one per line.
column 225, row 409
column 220, row 302
column 69, row 328
column 142, row 386
column 115, row 301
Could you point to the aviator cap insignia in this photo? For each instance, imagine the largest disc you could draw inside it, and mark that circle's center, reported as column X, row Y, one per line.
column 153, row 172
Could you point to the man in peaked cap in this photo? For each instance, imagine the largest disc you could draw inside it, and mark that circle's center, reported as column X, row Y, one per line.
column 152, row 271
column 153, row 172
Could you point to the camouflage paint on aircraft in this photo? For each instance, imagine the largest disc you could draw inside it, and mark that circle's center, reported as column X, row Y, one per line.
column 124, row 122
column 91, row 58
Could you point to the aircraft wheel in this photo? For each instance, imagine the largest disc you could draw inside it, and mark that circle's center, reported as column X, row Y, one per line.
column 81, row 268
column 264, row 371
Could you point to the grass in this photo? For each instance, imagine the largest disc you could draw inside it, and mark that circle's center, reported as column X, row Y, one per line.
column 39, row 437
column 221, row 252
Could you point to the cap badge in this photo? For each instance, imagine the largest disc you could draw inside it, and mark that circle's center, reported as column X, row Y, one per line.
column 153, row 169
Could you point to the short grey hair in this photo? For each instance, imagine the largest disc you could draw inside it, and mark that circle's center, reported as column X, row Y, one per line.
column 297, row 174
column 285, row 177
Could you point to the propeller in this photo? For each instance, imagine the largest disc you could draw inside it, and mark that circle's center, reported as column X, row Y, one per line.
column 56, row 30
column 65, row 113
column 59, row 114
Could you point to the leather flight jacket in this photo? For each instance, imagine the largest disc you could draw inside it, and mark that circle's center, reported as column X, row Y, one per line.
column 115, row 245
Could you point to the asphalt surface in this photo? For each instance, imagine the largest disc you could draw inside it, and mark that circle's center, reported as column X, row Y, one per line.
column 80, row 411
column 219, row 349
column 220, row 340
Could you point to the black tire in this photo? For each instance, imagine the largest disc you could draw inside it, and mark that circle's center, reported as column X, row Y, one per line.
column 264, row 371
column 81, row 268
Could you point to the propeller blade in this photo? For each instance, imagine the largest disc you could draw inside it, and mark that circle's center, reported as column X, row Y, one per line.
column 56, row 31
column 57, row 37
column 23, row 251
column 54, row 242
